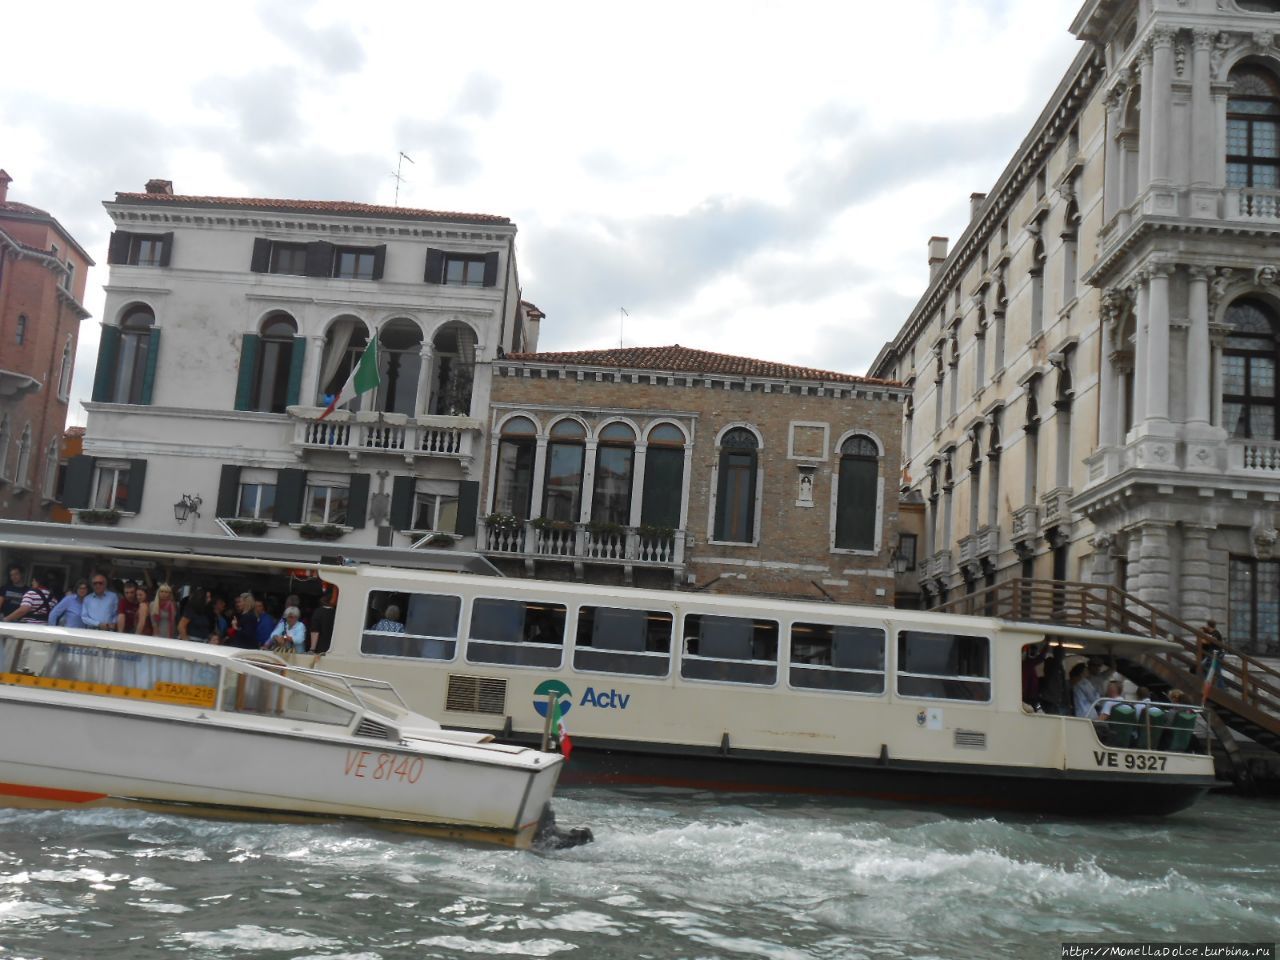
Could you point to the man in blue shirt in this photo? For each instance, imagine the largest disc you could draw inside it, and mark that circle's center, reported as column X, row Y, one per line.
column 67, row 612
column 101, row 606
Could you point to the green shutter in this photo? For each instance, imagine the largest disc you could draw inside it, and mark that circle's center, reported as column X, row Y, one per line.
column 722, row 496
column 166, row 248
column 358, row 500
column 291, row 491
column 663, row 487
column 296, row 359
column 228, row 491
column 248, row 367
column 856, row 504
column 491, row 269
column 435, row 266
column 78, row 483
column 118, row 247
column 260, row 259
column 137, row 478
column 402, row 503
column 379, row 260
column 104, row 378
column 149, row 375
column 468, row 506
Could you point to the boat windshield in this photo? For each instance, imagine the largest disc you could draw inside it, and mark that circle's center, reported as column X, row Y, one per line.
column 360, row 692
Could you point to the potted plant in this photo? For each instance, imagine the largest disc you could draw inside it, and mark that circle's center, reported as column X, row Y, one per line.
column 545, row 523
column 504, row 522
column 604, row 529
column 650, row 532
column 248, row 528
column 328, row 531
column 106, row 518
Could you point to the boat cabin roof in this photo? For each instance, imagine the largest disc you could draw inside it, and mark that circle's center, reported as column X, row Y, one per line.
column 136, row 644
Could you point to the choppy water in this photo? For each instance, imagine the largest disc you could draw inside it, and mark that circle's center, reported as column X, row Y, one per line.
column 670, row 875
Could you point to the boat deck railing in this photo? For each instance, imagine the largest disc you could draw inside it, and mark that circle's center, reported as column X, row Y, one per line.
column 1152, row 725
column 352, row 685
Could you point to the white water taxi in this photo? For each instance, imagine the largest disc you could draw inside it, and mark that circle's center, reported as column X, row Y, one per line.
column 100, row 718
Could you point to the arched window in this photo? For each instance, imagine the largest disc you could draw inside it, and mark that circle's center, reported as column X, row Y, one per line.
column 400, row 365
column 1249, row 371
column 660, row 506
column 65, row 370
column 562, row 489
column 1253, row 119
column 132, row 355
column 344, row 342
column 24, row 458
column 615, row 460
column 275, row 364
column 857, row 494
column 454, row 370
column 513, row 484
column 736, row 486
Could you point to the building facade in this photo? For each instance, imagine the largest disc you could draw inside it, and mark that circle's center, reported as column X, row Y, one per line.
column 672, row 467
column 42, row 282
column 1092, row 364
column 230, row 323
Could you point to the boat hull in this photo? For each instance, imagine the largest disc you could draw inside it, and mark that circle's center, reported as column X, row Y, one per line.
column 1060, row 792
column 73, row 756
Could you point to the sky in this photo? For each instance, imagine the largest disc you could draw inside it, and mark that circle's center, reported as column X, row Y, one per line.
column 754, row 178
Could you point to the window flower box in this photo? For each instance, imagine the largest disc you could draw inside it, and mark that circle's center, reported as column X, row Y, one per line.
column 248, row 528
column 327, row 531
column 104, row 518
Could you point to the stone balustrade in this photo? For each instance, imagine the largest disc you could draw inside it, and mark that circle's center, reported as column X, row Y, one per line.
column 582, row 542
column 1252, row 203
column 371, row 433
column 1257, row 457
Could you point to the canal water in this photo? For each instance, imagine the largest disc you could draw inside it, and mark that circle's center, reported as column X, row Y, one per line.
column 670, row 875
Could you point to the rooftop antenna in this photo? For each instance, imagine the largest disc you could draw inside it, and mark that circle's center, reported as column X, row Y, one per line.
column 396, row 176
column 622, row 312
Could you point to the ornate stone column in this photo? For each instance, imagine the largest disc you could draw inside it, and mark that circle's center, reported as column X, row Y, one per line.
column 1141, row 354
column 1156, row 360
column 311, row 368
column 1161, row 101
column 1103, row 568
column 1199, row 350
column 426, row 375
column 1108, row 381
column 1195, row 592
column 1204, row 125
column 588, row 480
column 637, row 482
column 1145, row 117
column 539, row 477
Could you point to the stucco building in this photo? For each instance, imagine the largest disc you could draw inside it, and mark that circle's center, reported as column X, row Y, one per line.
column 1093, row 362
column 667, row 466
column 228, row 324
column 42, row 283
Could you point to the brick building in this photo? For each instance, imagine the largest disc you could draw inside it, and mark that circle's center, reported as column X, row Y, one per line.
column 666, row 466
column 42, row 282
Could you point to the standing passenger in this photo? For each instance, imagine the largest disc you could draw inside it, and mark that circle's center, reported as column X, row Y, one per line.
column 13, row 590
column 67, row 611
column 164, row 613
column 101, row 607
column 321, row 631
column 36, row 603
column 127, row 615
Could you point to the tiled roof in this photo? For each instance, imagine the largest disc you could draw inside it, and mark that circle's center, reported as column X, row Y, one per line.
column 12, row 206
column 340, row 207
column 678, row 359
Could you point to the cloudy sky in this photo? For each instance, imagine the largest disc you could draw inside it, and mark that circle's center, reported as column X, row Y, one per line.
column 758, row 178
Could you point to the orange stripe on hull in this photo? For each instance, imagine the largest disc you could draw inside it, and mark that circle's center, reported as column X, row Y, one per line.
column 48, row 793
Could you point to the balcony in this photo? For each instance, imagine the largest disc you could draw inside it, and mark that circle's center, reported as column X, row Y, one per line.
column 1252, row 203
column 939, row 566
column 987, row 542
column 968, row 549
column 389, row 433
column 581, row 543
column 1026, row 523
column 1256, row 458
column 1056, row 506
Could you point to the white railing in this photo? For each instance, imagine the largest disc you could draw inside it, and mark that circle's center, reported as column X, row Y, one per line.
column 581, row 541
column 1254, row 456
column 1253, row 203
column 421, row 437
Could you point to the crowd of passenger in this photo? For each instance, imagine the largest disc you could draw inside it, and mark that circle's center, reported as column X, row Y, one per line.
column 248, row 619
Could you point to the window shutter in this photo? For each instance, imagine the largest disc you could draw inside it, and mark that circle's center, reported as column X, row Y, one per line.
column 137, row 477
column 166, row 248
column 435, row 266
column 118, row 248
column 856, row 504
column 379, row 260
column 319, row 259
column 149, row 375
column 248, row 365
column 295, row 370
column 663, row 483
column 751, row 496
column 491, row 269
column 358, row 500
column 77, row 483
column 468, row 505
column 722, row 496
column 105, row 376
column 261, row 261
column 291, row 489
column 228, row 491
column 402, row 503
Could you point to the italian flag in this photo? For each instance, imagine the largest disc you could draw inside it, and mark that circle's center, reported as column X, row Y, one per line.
column 363, row 378
column 559, row 731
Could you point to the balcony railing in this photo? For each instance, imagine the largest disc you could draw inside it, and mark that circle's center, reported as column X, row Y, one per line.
column 1026, row 523
column 1253, row 203
column 584, row 542
column 454, row 437
column 1258, row 457
column 1056, row 507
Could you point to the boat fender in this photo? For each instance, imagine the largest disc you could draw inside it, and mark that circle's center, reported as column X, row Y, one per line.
column 884, row 755
column 724, row 745
column 550, row 837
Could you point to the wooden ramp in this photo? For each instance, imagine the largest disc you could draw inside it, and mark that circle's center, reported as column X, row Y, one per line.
column 1246, row 697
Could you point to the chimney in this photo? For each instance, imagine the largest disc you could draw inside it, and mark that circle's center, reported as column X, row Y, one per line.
column 937, row 255
column 160, row 186
column 975, row 204
column 5, row 180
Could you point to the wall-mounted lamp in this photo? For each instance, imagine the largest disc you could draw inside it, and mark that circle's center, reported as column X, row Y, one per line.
column 187, row 506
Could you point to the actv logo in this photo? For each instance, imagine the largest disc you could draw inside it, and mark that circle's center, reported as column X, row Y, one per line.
column 600, row 699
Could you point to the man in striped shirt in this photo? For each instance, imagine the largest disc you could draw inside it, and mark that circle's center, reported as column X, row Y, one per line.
column 36, row 603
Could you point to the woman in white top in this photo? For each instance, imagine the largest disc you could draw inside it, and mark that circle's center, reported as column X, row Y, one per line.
column 291, row 627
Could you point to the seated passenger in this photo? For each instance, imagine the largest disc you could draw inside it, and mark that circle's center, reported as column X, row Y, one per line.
column 1082, row 693
column 390, row 622
column 1113, row 696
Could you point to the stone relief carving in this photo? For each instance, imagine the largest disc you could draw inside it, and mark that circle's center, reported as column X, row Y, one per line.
column 1179, row 56
column 1265, row 536
column 1222, row 44
column 1218, row 287
column 1265, row 276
